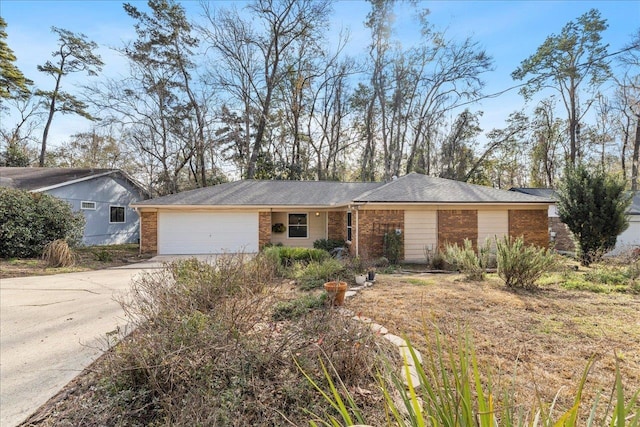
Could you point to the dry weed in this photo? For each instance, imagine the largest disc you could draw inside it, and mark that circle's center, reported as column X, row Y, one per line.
column 58, row 254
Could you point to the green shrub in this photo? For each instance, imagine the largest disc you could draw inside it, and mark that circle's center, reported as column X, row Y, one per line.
column 520, row 265
column 286, row 255
column 392, row 247
column 473, row 265
column 29, row 221
column 328, row 244
column 103, row 255
column 314, row 274
column 294, row 309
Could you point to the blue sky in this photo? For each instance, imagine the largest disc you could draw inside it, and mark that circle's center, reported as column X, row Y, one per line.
column 510, row 31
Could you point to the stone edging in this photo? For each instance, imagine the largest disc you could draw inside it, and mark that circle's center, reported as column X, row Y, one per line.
column 402, row 345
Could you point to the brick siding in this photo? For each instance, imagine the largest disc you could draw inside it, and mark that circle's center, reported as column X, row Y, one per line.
column 372, row 227
column 531, row 224
column 456, row 225
column 563, row 240
column 337, row 225
column 149, row 233
column 264, row 229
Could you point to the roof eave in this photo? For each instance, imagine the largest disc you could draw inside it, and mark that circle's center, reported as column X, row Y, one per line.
column 73, row 181
column 236, row 207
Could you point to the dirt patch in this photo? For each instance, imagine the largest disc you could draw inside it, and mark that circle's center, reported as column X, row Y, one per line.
column 87, row 258
column 547, row 336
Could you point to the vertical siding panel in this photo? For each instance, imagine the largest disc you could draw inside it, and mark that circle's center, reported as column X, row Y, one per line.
column 420, row 231
column 492, row 224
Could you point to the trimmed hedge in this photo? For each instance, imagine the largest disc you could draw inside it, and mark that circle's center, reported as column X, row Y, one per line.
column 28, row 221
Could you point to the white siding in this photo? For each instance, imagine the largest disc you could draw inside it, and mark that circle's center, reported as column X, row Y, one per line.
column 317, row 229
column 492, row 224
column 190, row 233
column 631, row 236
column 420, row 230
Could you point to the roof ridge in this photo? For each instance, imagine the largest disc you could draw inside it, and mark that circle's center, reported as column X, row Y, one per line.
column 380, row 187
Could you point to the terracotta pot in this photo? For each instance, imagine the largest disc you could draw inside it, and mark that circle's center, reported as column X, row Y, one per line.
column 336, row 291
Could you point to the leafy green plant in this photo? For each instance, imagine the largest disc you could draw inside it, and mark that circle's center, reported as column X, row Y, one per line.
column 520, row 265
column 28, row 221
column 291, row 310
column 103, row 255
column 593, row 205
column 286, row 255
column 392, row 246
column 473, row 265
column 314, row 274
column 328, row 244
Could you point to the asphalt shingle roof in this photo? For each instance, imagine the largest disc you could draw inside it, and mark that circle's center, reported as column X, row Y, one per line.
column 268, row 193
column 417, row 188
column 412, row 188
column 36, row 178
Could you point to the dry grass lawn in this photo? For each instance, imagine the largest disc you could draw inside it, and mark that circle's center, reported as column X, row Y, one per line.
column 551, row 333
column 87, row 258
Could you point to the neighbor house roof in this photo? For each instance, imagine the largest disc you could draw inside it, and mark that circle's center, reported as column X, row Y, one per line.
column 42, row 179
column 412, row 188
column 548, row 193
column 634, row 208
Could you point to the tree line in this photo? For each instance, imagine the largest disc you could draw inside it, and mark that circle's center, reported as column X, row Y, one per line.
column 266, row 92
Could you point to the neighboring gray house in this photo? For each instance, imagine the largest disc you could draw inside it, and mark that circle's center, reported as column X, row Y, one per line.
column 102, row 195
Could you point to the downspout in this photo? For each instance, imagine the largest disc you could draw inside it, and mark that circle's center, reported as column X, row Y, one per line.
column 357, row 231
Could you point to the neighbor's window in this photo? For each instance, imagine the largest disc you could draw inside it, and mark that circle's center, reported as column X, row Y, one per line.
column 116, row 214
column 349, row 229
column 298, row 225
column 91, row 206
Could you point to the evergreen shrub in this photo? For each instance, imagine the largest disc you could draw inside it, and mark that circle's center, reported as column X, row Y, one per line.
column 29, row 221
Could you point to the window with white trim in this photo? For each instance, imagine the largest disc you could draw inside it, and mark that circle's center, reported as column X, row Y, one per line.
column 87, row 206
column 298, row 225
column 116, row 214
column 349, row 227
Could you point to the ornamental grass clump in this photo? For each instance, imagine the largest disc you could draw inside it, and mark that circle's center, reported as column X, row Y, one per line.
column 519, row 264
column 58, row 254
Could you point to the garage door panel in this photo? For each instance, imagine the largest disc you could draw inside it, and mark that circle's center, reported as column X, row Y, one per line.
column 207, row 233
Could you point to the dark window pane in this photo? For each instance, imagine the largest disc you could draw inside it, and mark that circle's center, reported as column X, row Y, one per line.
column 348, row 219
column 297, row 219
column 117, row 214
column 297, row 231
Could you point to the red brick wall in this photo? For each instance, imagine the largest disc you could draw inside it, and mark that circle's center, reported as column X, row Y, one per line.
column 372, row 225
column 531, row 224
column 264, row 229
column 562, row 240
column 337, row 225
column 456, row 225
column 149, row 232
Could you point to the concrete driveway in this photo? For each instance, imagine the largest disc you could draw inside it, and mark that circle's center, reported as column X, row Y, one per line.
column 51, row 329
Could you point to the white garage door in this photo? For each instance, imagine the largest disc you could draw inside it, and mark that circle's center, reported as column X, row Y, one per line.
column 207, row 233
